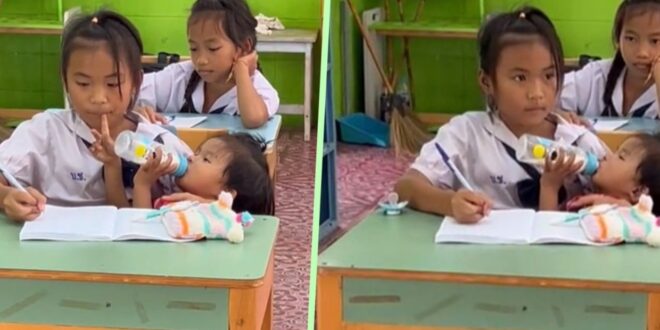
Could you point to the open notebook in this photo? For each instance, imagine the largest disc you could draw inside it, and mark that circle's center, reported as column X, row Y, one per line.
column 518, row 226
column 95, row 223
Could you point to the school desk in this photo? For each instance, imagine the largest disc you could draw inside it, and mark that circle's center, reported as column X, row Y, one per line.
column 635, row 125
column 388, row 273
column 216, row 125
column 284, row 41
column 137, row 285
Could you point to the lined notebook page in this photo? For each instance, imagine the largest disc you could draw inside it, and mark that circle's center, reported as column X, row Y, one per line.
column 186, row 122
column 90, row 223
column 549, row 227
column 608, row 125
column 500, row 227
column 131, row 225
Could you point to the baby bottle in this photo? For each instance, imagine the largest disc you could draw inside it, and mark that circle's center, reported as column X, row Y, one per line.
column 137, row 148
column 535, row 149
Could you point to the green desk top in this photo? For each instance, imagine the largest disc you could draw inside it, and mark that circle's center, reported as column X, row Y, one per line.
column 406, row 243
column 213, row 259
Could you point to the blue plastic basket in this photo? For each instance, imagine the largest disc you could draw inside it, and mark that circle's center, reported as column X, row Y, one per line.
column 359, row 128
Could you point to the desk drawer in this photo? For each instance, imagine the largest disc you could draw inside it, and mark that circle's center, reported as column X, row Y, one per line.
column 112, row 305
column 436, row 304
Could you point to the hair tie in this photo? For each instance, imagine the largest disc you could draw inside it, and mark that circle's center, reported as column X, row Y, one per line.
column 95, row 20
column 522, row 15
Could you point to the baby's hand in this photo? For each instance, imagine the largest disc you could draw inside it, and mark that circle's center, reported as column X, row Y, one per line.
column 469, row 206
column 178, row 197
column 153, row 169
column 557, row 170
column 594, row 199
column 103, row 149
column 24, row 206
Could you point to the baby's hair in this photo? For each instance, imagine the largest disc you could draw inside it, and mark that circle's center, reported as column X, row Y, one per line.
column 506, row 29
column 116, row 32
column 238, row 24
column 625, row 10
column 247, row 173
column 647, row 171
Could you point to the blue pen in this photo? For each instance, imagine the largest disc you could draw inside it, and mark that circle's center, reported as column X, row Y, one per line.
column 453, row 168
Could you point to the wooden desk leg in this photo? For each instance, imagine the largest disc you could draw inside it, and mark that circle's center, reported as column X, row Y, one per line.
column 251, row 308
column 653, row 312
column 307, row 107
column 328, row 302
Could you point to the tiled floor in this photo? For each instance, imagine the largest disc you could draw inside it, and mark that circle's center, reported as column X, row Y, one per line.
column 364, row 176
column 294, row 203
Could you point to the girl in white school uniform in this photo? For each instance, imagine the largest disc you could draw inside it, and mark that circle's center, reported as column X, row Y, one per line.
column 58, row 155
column 626, row 86
column 520, row 62
column 223, row 76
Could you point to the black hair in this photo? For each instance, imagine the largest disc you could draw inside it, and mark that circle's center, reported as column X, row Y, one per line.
column 247, row 173
column 618, row 64
column 238, row 24
column 494, row 36
column 122, row 39
column 647, row 171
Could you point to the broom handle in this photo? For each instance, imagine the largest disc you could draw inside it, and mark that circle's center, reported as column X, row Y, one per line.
column 388, row 86
column 406, row 49
column 388, row 41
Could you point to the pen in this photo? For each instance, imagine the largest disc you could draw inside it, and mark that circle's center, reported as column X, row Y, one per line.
column 453, row 168
column 11, row 179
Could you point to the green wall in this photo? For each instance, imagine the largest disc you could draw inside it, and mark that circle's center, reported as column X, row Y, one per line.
column 29, row 76
column 444, row 71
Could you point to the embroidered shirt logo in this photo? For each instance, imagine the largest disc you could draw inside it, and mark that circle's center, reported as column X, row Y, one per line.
column 497, row 179
column 78, row 176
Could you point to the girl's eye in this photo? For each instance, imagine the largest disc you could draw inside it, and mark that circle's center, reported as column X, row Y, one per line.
column 192, row 49
column 113, row 85
column 82, row 84
column 519, row 77
column 214, row 49
column 628, row 38
column 655, row 41
column 207, row 160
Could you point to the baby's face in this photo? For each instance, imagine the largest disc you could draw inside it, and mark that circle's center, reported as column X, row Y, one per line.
column 617, row 173
column 205, row 170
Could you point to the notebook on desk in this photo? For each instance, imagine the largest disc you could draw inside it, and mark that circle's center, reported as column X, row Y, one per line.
column 94, row 223
column 517, row 226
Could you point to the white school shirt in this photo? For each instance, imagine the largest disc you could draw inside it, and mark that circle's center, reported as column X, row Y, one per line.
column 48, row 153
column 473, row 141
column 165, row 89
column 583, row 91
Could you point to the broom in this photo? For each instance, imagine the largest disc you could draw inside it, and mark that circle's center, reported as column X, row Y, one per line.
column 407, row 133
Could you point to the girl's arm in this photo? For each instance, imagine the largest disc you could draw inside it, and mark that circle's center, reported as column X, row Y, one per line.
column 251, row 105
column 114, row 185
column 463, row 205
column 548, row 198
column 421, row 195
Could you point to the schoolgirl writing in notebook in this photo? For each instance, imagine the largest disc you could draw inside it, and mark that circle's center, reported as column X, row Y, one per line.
column 57, row 154
column 223, row 76
column 621, row 177
column 627, row 85
column 520, row 60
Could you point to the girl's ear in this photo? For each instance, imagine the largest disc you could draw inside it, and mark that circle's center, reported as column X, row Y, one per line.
column 486, row 83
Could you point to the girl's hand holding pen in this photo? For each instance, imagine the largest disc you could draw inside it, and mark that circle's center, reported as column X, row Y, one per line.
column 470, row 206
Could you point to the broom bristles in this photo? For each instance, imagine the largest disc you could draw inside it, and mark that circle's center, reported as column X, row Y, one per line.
column 407, row 133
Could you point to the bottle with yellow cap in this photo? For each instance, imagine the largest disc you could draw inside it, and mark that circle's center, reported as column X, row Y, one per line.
column 137, row 148
column 536, row 149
